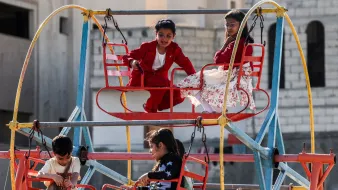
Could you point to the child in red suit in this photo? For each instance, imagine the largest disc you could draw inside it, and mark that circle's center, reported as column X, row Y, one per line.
column 155, row 58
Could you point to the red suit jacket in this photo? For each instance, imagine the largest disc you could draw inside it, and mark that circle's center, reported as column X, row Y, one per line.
column 145, row 54
column 225, row 55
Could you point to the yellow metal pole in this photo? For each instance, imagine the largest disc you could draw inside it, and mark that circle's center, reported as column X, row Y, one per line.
column 233, row 55
column 124, row 100
column 307, row 79
column 298, row 188
column 14, row 122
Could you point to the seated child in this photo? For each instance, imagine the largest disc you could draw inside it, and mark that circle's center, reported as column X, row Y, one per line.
column 163, row 149
column 211, row 96
column 156, row 58
column 63, row 168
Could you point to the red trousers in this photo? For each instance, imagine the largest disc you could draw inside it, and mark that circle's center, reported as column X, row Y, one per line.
column 159, row 99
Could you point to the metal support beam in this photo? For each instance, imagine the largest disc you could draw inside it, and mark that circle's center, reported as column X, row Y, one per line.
column 107, row 172
column 247, row 140
column 90, row 172
column 279, row 180
column 274, row 98
column 294, row 175
column 259, row 171
column 115, row 123
column 177, row 11
column 171, row 12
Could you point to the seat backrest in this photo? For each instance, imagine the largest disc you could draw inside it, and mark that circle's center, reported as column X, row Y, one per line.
column 113, row 63
column 194, row 176
column 256, row 61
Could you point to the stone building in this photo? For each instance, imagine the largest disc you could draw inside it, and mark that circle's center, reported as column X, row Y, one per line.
column 317, row 30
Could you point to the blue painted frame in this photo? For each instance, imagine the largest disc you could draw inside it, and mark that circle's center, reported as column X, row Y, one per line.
column 263, row 155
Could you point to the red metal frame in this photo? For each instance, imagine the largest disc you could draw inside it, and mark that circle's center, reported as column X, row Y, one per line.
column 25, row 176
column 183, row 173
column 318, row 174
column 117, row 62
column 301, row 158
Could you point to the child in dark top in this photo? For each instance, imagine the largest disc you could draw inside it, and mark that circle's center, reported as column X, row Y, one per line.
column 164, row 150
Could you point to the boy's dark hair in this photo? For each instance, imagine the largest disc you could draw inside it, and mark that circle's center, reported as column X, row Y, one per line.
column 166, row 23
column 181, row 149
column 62, row 145
column 239, row 16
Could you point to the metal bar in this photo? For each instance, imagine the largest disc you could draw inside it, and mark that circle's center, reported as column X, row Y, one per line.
column 72, row 117
column 279, row 180
column 170, row 12
column 108, row 172
column 81, row 80
column 277, row 63
column 116, row 123
column 247, row 140
column 264, row 128
column 307, row 158
column 36, row 137
column 240, row 186
column 271, row 144
column 88, row 175
column 274, row 99
column 259, row 170
column 177, row 11
column 315, row 175
column 77, row 137
column 82, row 66
column 86, row 134
column 20, row 176
column 294, row 175
column 131, row 156
column 88, row 139
column 279, row 139
column 324, row 176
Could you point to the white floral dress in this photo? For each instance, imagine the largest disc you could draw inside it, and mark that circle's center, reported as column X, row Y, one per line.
column 214, row 84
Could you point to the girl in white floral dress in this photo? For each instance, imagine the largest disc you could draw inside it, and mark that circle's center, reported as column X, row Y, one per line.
column 211, row 96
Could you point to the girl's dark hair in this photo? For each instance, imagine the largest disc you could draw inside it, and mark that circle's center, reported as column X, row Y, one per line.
column 181, row 149
column 166, row 23
column 62, row 145
column 166, row 137
column 239, row 16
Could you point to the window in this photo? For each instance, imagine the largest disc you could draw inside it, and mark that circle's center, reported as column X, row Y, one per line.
column 130, row 33
column 233, row 4
column 271, row 50
column 14, row 21
column 64, row 26
column 316, row 53
column 144, row 33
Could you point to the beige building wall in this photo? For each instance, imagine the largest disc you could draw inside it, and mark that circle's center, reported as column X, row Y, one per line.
column 151, row 20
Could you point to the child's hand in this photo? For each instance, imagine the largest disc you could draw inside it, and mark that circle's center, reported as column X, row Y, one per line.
column 228, row 41
column 58, row 180
column 143, row 180
column 134, row 64
column 67, row 183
